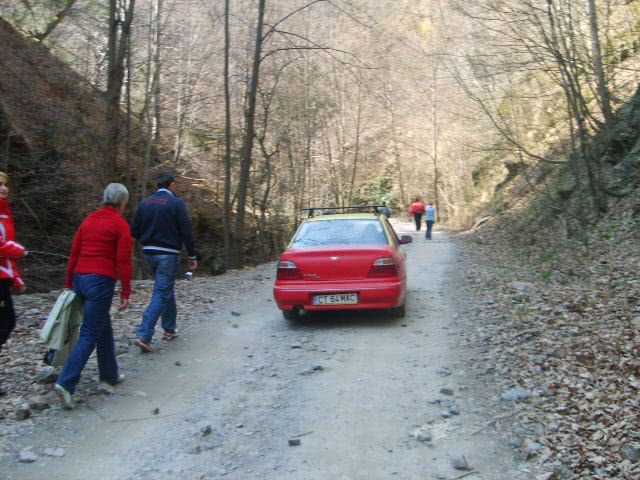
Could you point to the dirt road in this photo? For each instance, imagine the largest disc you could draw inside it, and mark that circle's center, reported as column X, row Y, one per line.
column 225, row 398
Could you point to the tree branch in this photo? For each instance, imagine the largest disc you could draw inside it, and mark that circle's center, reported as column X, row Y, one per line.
column 286, row 17
column 505, row 134
column 314, row 46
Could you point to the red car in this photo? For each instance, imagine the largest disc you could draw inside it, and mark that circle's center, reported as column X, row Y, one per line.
column 343, row 262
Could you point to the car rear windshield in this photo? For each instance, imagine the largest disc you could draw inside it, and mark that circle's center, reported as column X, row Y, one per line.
column 340, row 232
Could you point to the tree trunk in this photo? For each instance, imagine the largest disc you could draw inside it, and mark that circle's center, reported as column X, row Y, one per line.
column 226, row 217
column 356, row 152
column 603, row 91
column 145, row 115
column 336, row 181
column 157, row 69
column 119, row 31
column 128, row 168
column 247, row 144
column 396, row 150
column 434, row 138
column 113, row 94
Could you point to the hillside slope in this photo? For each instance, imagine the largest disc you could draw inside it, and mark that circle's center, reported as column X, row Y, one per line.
column 51, row 126
column 561, row 306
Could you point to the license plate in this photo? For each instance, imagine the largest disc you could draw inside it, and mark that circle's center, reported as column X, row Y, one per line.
column 336, row 299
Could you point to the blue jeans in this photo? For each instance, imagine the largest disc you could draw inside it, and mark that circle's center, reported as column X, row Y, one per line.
column 163, row 300
column 95, row 293
column 429, row 227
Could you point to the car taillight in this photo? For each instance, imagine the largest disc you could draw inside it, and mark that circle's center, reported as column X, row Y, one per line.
column 288, row 271
column 383, row 267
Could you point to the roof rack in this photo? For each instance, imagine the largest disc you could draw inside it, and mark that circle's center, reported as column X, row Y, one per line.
column 342, row 210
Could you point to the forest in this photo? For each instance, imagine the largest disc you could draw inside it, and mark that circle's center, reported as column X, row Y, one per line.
column 266, row 107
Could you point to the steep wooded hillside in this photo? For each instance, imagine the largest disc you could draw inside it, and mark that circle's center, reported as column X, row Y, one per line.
column 51, row 125
column 560, row 319
column 52, row 139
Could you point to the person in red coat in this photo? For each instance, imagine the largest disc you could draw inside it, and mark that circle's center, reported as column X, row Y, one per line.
column 416, row 210
column 101, row 253
column 10, row 251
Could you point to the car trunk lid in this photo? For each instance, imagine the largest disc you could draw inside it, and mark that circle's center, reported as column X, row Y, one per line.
column 327, row 263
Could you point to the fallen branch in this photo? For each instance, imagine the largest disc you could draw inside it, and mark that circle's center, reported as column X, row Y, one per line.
column 472, row 472
column 144, row 418
column 96, row 412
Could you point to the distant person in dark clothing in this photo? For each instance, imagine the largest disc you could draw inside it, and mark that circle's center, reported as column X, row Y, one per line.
column 161, row 224
column 100, row 254
column 10, row 251
column 417, row 210
column 386, row 211
column 430, row 218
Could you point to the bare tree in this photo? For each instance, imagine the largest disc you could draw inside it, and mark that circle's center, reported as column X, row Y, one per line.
column 435, row 132
column 120, row 18
column 603, row 89
column 227, row 143
column 150, row 114
column 356, row 149
column 247, row 144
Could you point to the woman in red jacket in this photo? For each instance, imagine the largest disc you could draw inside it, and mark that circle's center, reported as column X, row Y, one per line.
column 417, row 210
column 101, row 253
column 10, row 251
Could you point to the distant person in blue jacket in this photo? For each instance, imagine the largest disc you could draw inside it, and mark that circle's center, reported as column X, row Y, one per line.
column 430, row 218
column 162, row 225
column 386, row 211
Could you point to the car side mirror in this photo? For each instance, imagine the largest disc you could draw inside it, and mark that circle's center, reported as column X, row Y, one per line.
column 404, row 239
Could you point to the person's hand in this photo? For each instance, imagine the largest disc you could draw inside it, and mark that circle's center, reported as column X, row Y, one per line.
column 19, row 289
column 193, row 264
column 124, row 304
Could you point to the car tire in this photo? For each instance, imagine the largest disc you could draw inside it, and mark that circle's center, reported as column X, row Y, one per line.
column 399, row 312
column 291, row 315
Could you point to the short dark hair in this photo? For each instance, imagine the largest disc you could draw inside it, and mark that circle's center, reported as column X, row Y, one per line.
column 164, row 180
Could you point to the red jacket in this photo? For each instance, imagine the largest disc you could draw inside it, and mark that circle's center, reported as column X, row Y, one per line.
column 102, row 246
column 417, row 207
column 10, row 250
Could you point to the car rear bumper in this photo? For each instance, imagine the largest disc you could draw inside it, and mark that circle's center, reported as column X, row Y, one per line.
column 374, row 295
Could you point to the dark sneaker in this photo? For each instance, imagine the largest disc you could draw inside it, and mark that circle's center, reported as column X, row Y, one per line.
column 169, row 336
column 143, row 345
column 65, row 397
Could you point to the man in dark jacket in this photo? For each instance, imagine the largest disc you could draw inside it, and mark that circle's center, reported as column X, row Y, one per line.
column 161, row 224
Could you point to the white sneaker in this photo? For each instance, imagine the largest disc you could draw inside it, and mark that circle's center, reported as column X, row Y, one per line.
column 65, row 397
column 107, row 388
